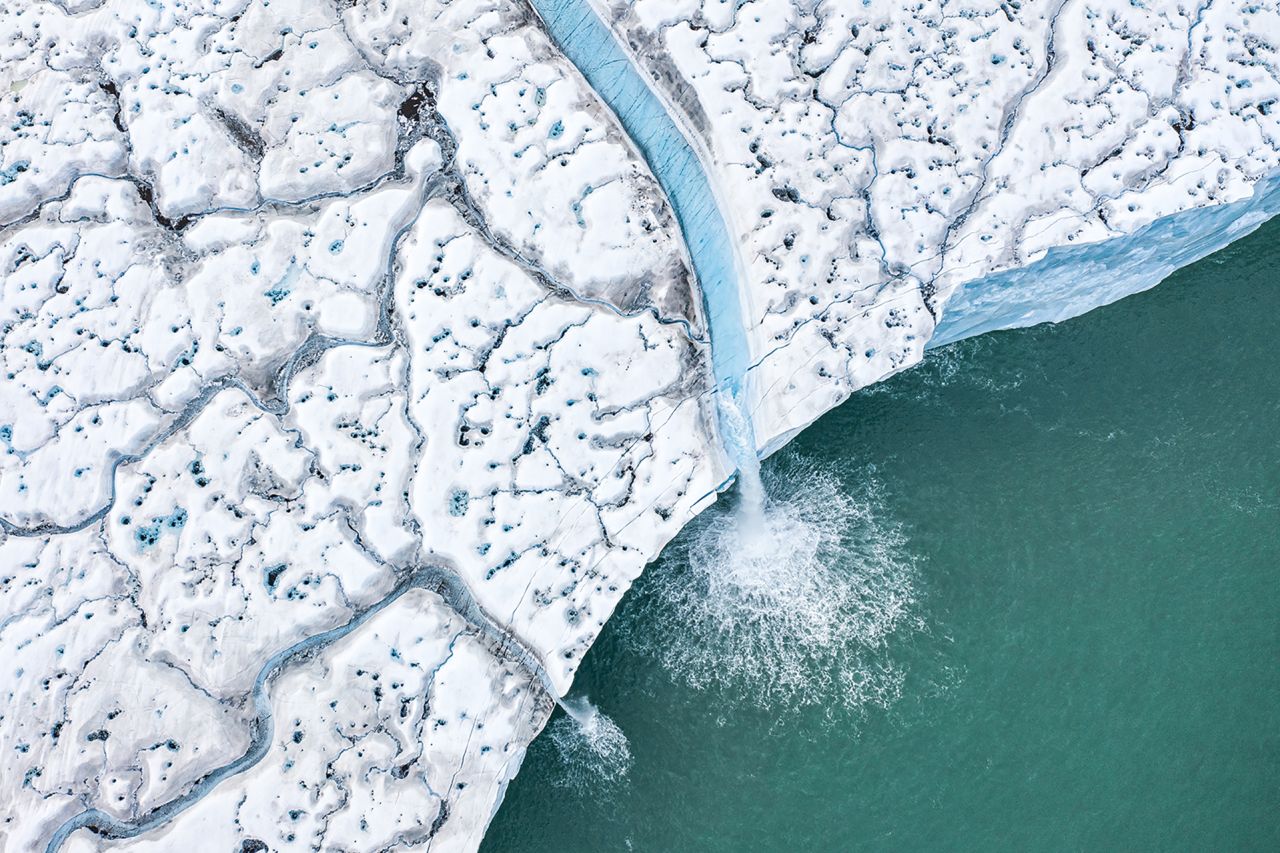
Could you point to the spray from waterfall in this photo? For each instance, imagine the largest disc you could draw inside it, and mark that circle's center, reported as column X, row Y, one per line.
column 593, row 750
column 787, row 594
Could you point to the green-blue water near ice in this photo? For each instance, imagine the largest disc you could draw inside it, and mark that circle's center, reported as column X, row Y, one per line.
column 1069, row 539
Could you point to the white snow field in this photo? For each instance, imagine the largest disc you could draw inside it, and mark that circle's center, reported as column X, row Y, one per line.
column 359, row 354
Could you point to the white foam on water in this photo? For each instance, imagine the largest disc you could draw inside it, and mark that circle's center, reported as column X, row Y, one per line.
column 593, row 750
column 788, row 599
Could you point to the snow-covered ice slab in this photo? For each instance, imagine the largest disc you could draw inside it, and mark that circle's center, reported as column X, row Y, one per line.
column 396, row 734
column 358, row 356
column 874, row 157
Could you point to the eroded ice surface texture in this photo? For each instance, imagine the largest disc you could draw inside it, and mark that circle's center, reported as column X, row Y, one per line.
column 355, row 360
column 353, row 369
column 874, row 157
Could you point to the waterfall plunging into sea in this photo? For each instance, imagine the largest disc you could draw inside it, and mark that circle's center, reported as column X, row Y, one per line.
column 786, row 594
column 746, row 574
column 740, row 444
column 592, row 749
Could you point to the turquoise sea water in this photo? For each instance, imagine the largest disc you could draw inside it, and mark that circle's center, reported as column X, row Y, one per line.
column 1030, row 600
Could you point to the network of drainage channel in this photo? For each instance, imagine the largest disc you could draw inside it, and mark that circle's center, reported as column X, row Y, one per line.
column 746, row 551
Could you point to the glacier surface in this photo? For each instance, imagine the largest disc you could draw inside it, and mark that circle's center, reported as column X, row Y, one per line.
column 359, row 355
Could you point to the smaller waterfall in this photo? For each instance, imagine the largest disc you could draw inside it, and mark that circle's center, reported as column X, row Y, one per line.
column 592, row 748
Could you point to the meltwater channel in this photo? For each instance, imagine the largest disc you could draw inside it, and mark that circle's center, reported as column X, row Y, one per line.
column 592, row 47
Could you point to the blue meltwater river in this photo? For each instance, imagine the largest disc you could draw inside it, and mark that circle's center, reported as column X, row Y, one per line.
column 591, row 46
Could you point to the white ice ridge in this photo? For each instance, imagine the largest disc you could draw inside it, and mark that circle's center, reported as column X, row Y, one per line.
column 354, row 365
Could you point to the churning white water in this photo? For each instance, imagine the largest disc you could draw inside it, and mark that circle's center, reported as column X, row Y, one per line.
column 592, row 749
column 786, row 598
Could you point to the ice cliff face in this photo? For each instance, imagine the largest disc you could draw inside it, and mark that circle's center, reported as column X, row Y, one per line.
column 355, row 358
